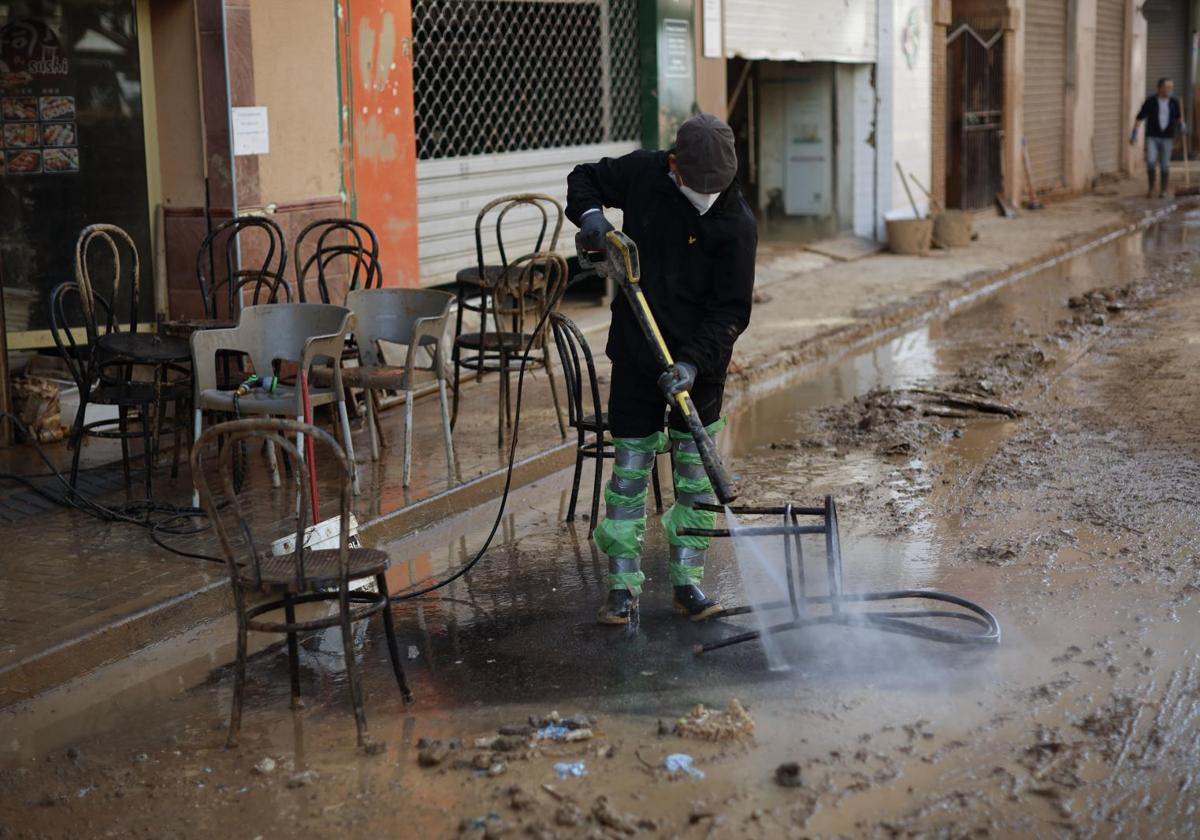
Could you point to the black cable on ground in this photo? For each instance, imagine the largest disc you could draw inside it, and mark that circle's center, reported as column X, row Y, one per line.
column 145, row 513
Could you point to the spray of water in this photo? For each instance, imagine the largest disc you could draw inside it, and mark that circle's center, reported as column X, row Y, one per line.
column 764, row 581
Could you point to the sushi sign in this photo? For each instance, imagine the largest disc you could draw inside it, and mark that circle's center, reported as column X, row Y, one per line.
column 32, row 47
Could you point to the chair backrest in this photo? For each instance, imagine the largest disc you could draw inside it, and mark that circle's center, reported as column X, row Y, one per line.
column 535, row 284
column 69, row 305
column 347, row 243
column 394, row 315
column 547, row 210
column 271, row 333
column 252, row 253
column 579, row 367
column 244, row 552
column 111, row 241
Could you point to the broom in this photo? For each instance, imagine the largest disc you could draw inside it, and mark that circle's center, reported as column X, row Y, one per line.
column 1187, row 188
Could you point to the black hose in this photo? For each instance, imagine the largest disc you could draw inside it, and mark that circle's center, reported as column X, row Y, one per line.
column 508, row 473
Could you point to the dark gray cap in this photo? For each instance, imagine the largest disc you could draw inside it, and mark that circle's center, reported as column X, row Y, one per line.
column 705, row 154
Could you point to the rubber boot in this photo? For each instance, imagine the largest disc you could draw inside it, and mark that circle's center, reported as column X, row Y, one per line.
column 1164, row 180
column 618, row 607
column 693, row 603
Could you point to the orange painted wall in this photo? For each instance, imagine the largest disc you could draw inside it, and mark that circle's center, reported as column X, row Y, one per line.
column 379, row 165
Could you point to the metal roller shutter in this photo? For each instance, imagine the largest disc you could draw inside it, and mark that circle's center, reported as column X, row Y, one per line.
column 509, row 96
column 1109, row 81
column 1045, row 80
column 1166, row 42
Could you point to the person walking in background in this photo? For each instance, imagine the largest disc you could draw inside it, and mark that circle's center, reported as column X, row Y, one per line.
column 1163, row 118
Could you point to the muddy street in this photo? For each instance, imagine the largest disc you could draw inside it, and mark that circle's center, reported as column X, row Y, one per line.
column 1035, row 451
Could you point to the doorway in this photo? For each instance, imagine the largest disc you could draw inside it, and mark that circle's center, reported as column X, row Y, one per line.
column 975, row 116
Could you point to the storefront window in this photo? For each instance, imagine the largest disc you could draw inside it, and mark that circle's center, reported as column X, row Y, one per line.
column 72, row 148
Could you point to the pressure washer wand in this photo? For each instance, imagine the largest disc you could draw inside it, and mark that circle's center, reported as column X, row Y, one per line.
column 620, row 263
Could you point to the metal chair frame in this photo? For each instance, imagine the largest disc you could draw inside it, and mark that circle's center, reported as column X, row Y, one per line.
column 492, row 351
column 579, row 367
column 267, row 277
column 360, row 246
column 530, row 287
column 108, row 381
column 247, row 575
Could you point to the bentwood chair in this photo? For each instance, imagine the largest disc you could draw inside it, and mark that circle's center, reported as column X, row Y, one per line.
column 108, row 382
column 302, row 575
column 508, row 231
column 530, row 287
column 304, row 334
column 341, row 255
column 251, row 272
column 579, row 376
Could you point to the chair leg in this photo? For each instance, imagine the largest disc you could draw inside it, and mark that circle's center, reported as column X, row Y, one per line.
column 658, row 504
column 273, row 462
column 596, row 482
column 123, row 427
column 372, row 423
column 456, row 363
column 197, row 428
column 177, row 437
column 575, row 482
column 348, row 445
column 239, row 676
column 148, row 426
column 505, row 417
column 447, row 437
column 352, row 676
column 408, row 434
column 389, row 630
column 289, row 612
column 77, row 439
column 548, row 364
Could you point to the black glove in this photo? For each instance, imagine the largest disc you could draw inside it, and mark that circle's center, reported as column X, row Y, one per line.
column 679, row 377
column 592, row 229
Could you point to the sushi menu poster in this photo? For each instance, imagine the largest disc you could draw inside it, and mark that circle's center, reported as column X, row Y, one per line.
column 39, row 133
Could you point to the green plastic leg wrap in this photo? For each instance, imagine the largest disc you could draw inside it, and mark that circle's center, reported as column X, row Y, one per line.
column 622, row 532
column 692, row 485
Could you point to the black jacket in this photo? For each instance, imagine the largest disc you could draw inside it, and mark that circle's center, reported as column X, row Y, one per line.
column 1149, row 113
column 697, row 271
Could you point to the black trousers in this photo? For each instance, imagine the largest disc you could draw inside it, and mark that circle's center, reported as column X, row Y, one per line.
column 636, row 405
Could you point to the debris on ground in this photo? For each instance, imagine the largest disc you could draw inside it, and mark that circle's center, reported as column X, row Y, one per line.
column 711, row 725
column 432, row 754
column 682, row 763
column 788, row 775
column 609, row 817
column 265, row 766
column 305, row 778
column 570, row 769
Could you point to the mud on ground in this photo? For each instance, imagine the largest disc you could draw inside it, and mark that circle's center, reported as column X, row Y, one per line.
column 1074, row 521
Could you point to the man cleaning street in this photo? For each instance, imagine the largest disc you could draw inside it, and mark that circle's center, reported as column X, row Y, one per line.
column 1163, row 118
column 697, row 238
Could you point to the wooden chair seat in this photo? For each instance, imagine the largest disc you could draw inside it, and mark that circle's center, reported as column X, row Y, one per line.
column 321, row 569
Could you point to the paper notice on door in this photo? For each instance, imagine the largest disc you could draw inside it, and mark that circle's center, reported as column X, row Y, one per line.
column 251, row 135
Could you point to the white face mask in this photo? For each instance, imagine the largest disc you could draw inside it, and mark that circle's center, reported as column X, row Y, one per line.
column 703, row 202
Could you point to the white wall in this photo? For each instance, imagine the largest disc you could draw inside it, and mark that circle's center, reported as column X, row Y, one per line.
column 904, row 132
column 801, row 30
column 862, row 152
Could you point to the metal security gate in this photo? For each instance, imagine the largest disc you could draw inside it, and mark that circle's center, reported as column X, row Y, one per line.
column 975, row 95
column 1109, row 86
column 1045, row 90
column 1166, row 43
column 509, row 96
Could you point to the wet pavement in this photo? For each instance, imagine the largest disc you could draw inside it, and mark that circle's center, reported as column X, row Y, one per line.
column 1074, row 523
